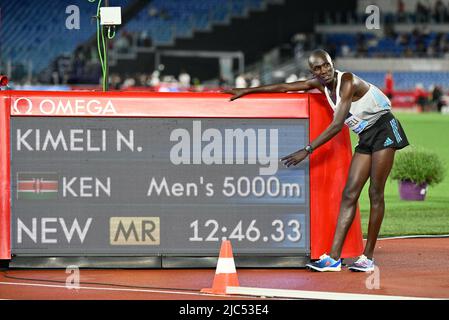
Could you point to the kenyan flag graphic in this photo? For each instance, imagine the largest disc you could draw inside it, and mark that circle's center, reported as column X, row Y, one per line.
column 37, row 186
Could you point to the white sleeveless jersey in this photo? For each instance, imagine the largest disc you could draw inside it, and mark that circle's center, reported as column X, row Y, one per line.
column 365, row 111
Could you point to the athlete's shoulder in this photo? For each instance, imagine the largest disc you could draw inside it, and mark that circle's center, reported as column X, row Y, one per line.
column 347, row 80
column 347, row 76
column 315, row 83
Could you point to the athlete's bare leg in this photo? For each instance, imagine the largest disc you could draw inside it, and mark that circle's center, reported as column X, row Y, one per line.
column 359, row 172
column 382, row 161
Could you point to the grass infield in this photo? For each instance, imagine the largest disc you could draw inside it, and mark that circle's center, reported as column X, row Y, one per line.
column 429, row 131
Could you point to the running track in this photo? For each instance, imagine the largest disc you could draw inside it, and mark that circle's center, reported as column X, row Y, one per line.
column 408, row 267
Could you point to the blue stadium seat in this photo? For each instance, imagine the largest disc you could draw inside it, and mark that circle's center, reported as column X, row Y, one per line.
column 47, row 24
column 186, row 16
column 385, row 46
column 407, row 80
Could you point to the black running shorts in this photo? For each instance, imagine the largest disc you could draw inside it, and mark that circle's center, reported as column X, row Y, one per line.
column 387, row 132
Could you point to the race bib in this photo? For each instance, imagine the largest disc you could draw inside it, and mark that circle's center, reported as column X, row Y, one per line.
column 355, row 124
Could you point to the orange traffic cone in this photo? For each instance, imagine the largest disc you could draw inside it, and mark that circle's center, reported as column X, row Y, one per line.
column 225, row 274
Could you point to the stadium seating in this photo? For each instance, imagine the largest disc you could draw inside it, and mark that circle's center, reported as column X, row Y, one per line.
column 407, row 80
column 47, row 23
column 51, row 38
column 386, row 46
column 166, row 20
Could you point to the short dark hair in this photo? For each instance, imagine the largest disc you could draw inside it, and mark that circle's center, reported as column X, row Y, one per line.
column 320, row 53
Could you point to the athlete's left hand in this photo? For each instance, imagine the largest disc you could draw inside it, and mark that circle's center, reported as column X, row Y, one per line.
column 294, row 158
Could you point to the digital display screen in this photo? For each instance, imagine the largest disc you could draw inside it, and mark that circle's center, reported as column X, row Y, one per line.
column 157, row 186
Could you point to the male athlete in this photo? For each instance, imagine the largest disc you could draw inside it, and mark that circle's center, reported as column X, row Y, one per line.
column 367, row 111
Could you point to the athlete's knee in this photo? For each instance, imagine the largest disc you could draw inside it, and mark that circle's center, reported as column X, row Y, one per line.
column 350, row 196
column 346, row 218
column 376, row 195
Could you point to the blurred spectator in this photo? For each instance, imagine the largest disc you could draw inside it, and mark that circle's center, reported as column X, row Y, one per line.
column 255, row 82
column 421, row 36
column 445, row 107
column 420, row 97
column 222, row 82
column 291, row 78
column 401, row 11
column 174, row 86
column 142, row 80
column 345, row 50
column 153, row 11
column 169, row 84
column 122, row 43
column 361, row 44
column 437, row 98
column 372, row 43
column 439, row 11
column 446, row 51
column 184, row 79
column 430, row 51
column 115, row 81
column 240, row 82
column 144, row 39
column 302, row 77
column 422, row 12
column 129, row 82
column 55, row 77
column 155, row 81
column 440, row 41
column 389, row 85
column 389, row 31
column 416, row 33
column 299, row 41
column 197, row 85
column 403, row 39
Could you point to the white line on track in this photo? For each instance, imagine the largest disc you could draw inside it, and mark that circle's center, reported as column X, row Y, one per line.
column 316, row 295
column 122, row 290
column 243, row 292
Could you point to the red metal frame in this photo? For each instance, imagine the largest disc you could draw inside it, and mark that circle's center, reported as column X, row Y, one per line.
column 5, row 182
column 328, row 165
column 163, row 105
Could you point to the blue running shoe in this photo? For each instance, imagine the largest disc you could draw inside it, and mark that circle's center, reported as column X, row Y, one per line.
column 363, row 264
column 325, row 263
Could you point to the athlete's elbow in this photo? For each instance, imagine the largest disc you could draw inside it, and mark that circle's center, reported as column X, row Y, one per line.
column 283, row 88
column 336, row 127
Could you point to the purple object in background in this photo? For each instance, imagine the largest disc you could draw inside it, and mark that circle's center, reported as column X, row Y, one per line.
column 410, row 191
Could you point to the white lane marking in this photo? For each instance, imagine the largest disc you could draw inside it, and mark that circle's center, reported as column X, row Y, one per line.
column 320, row 295
column 114, row 289
column 258, row 293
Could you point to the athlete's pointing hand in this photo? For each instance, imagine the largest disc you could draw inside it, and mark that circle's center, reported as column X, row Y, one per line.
column 294, row 158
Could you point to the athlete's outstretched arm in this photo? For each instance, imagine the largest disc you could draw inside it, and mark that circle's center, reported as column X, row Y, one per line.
column 342, row 110
column 280, row 87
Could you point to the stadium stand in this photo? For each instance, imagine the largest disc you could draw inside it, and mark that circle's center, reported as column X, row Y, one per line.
column 408, row 80
column 167, row 20
column 21, row 19
column 412, row 32
column 162, row 20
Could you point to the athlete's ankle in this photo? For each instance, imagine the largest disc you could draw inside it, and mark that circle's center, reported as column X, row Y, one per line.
column 335, row 257
column 368, row 255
